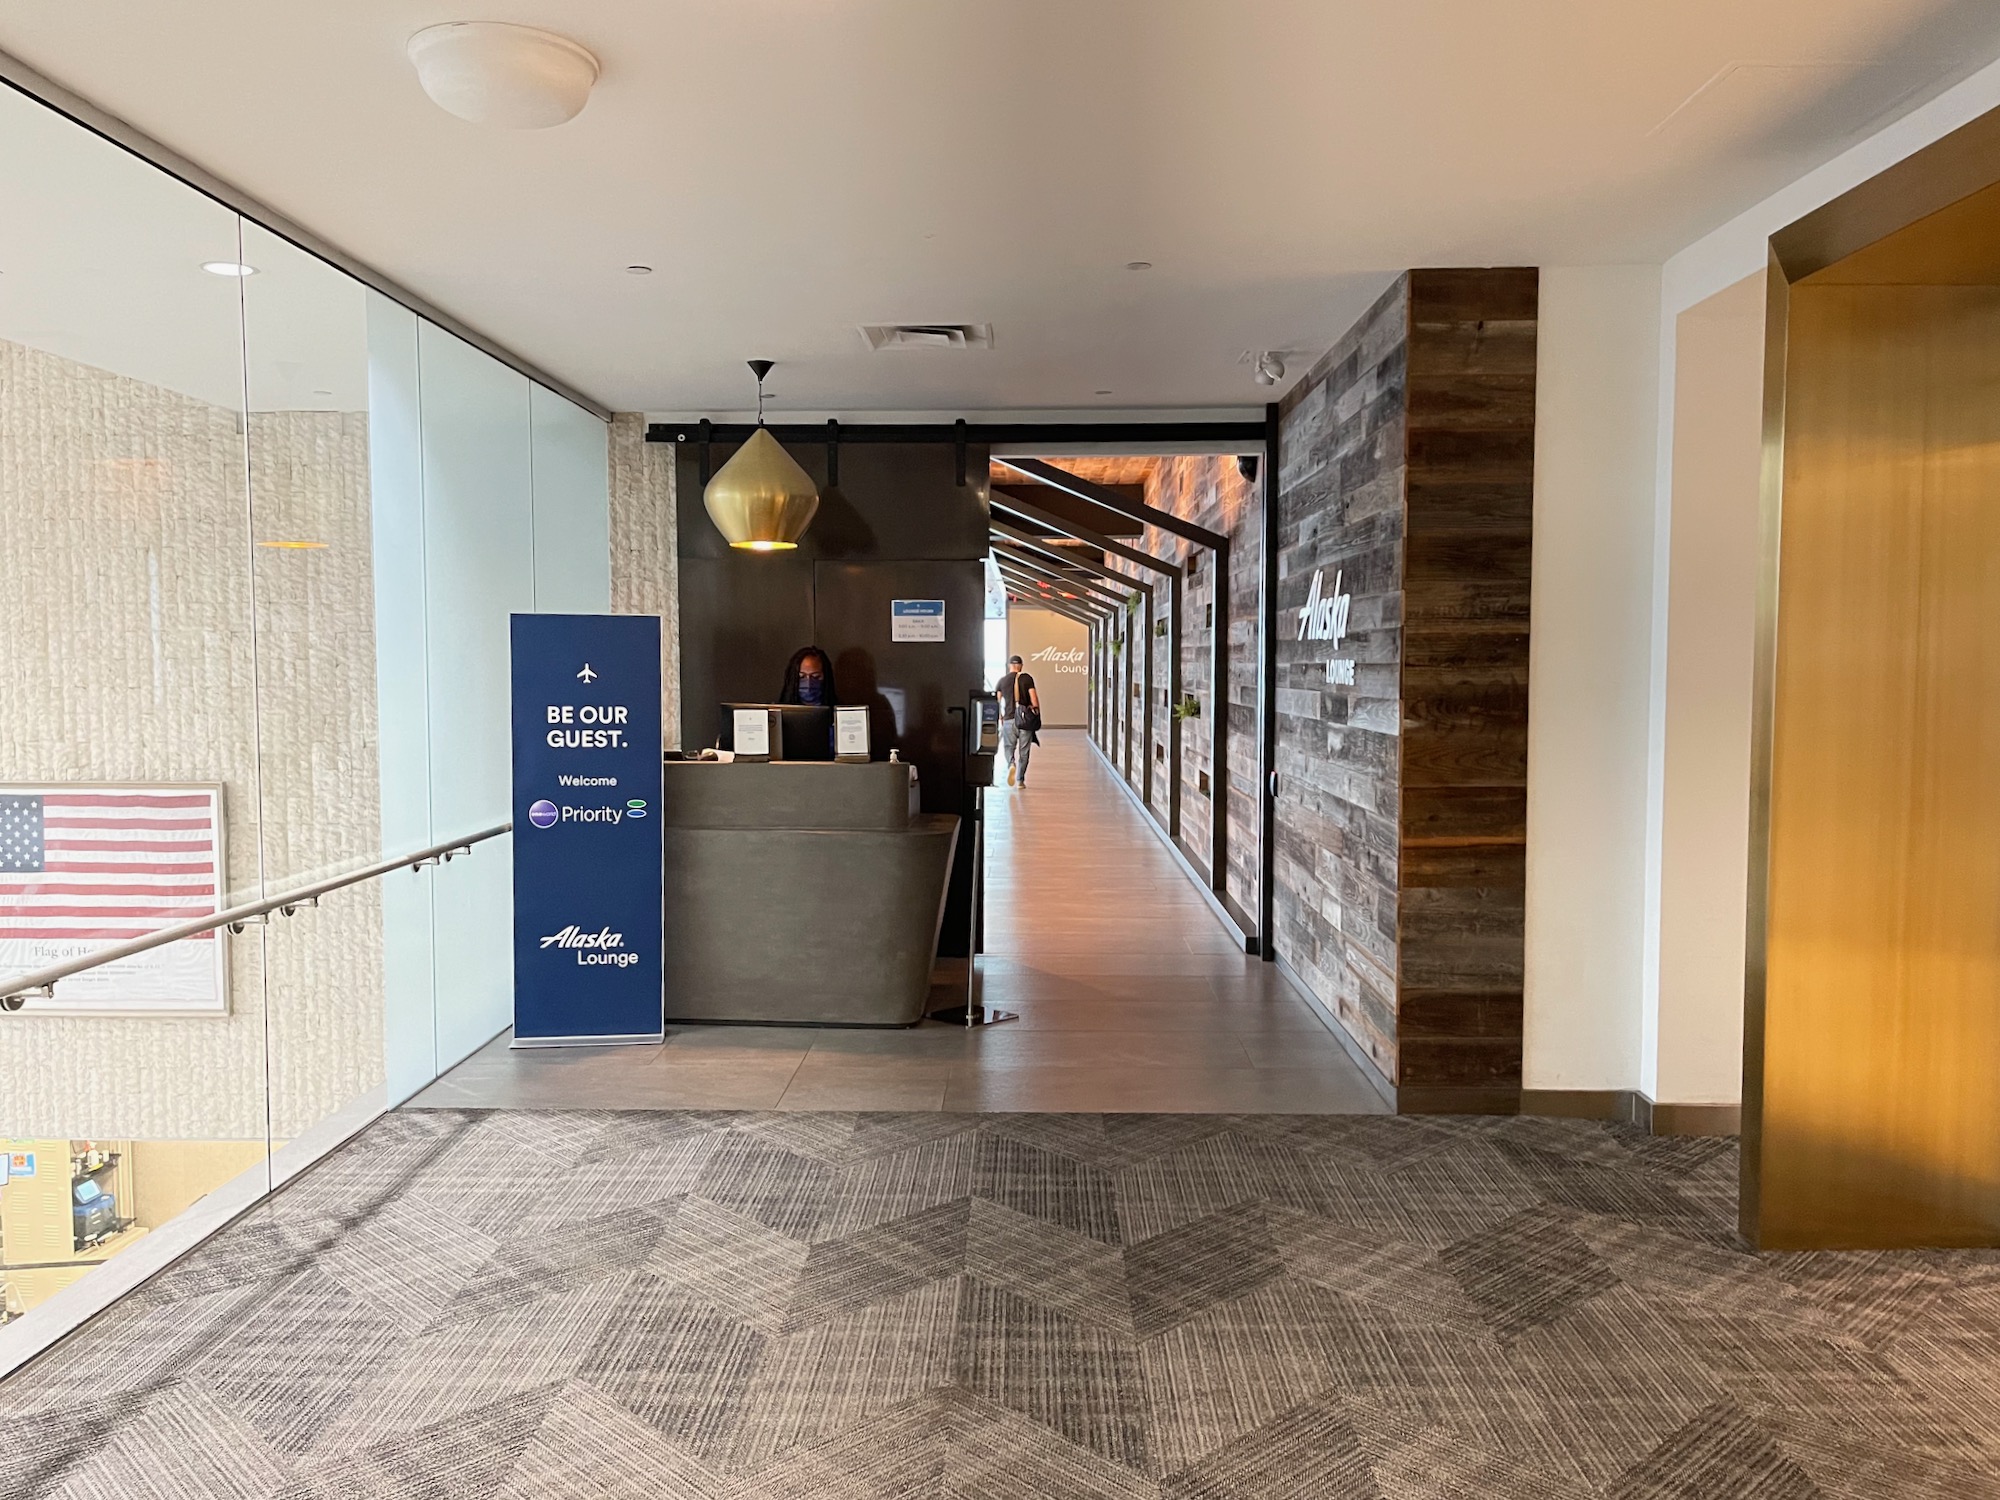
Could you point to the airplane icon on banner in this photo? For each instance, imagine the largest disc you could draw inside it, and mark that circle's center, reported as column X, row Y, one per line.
column 586, row 675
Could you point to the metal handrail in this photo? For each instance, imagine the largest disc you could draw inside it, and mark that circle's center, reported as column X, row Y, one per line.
column 41, row 984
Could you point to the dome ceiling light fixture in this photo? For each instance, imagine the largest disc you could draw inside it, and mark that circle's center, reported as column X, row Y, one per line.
column 761, row 500
column 494, row 73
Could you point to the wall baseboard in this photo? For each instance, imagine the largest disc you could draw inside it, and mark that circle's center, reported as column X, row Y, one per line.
column 1352, row 1048
column 1694, row 1119
column 1630, row 1107
column 1458, row 1099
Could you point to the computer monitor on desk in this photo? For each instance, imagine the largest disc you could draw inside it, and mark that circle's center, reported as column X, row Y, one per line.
column 805, row 729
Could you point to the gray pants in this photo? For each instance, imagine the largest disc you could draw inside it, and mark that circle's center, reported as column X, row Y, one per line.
column 1015, row 748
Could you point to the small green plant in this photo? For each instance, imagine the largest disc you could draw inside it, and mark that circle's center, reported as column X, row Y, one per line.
column 1188, row 708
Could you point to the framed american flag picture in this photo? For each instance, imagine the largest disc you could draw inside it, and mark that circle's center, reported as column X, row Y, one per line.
column 87, row 865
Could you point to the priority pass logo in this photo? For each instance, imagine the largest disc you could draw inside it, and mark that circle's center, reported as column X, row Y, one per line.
column 543, row 814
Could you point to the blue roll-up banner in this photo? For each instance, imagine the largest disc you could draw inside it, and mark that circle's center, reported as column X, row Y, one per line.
column 587, row 847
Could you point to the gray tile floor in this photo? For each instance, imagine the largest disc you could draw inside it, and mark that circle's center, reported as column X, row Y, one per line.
column 1132, row 997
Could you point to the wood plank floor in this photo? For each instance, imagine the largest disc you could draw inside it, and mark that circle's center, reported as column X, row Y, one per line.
column 1133, row 997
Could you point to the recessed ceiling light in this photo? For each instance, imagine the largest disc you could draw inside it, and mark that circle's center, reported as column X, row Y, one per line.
column 1138, row 265
column 638, row 270
column 228, row 268
column 294, row 546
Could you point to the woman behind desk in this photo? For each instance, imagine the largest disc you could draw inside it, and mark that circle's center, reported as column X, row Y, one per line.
column 809, row 678
column 809, row 683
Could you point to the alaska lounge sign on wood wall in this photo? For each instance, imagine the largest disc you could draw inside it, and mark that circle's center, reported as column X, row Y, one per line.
column 1408, row 479
column 1325, row 619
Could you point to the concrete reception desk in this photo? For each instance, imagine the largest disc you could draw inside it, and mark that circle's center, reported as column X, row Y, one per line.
column 801, row 892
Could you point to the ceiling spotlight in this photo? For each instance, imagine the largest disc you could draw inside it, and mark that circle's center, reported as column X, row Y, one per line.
column 638, row 270
column 492, row 73
column 228, row 268
column 1138, row 265
column 1270, row 369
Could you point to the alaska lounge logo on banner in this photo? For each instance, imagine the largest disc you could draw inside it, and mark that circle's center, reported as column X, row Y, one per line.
column 1059, row 659
column 588, row 943
column 593, row 947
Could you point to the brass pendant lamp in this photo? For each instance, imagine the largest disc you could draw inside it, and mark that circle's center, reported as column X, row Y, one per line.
column 761, row 500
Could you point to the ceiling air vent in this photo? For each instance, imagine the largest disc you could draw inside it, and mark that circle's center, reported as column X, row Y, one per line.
column 928, row 335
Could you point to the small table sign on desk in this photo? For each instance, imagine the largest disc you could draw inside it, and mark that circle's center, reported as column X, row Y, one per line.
column 750, row 733
column 850, row 736
column 589, row 938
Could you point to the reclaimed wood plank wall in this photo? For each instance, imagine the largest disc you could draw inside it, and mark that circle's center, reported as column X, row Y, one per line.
column 1408, row 474
column 1469, row 515
column 1340, row 518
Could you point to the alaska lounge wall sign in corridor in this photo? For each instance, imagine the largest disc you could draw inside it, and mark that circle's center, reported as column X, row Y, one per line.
column 587, row 850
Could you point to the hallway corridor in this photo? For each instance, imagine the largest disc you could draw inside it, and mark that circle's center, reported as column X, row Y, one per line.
column 1131, row 996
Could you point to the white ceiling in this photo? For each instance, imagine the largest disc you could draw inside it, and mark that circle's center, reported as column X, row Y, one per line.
column 793, row 168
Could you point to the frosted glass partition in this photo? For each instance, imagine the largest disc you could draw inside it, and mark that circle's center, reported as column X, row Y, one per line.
column 491, row 498
column 479, row 559
column 261, row 530
column 402, row 692
column 572, row 475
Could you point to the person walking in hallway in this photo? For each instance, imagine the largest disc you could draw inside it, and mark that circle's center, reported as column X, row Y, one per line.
column 1020, row 717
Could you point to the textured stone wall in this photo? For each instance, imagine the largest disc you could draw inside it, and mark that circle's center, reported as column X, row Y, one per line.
column 645, row 562
column 319, row 775
column 1340, row 512
column 126, row 629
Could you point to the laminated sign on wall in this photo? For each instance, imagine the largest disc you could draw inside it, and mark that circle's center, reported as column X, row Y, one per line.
column 587, row 850
column 916, row 619
column 89, row 865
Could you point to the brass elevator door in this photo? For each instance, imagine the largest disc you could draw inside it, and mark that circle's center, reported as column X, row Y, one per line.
column 1880, row 1120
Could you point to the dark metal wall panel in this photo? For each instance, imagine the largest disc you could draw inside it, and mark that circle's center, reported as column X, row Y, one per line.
column 741, row 620
column 910, row 686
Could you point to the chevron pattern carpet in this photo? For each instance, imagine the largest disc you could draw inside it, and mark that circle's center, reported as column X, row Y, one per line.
column 553, row 1306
